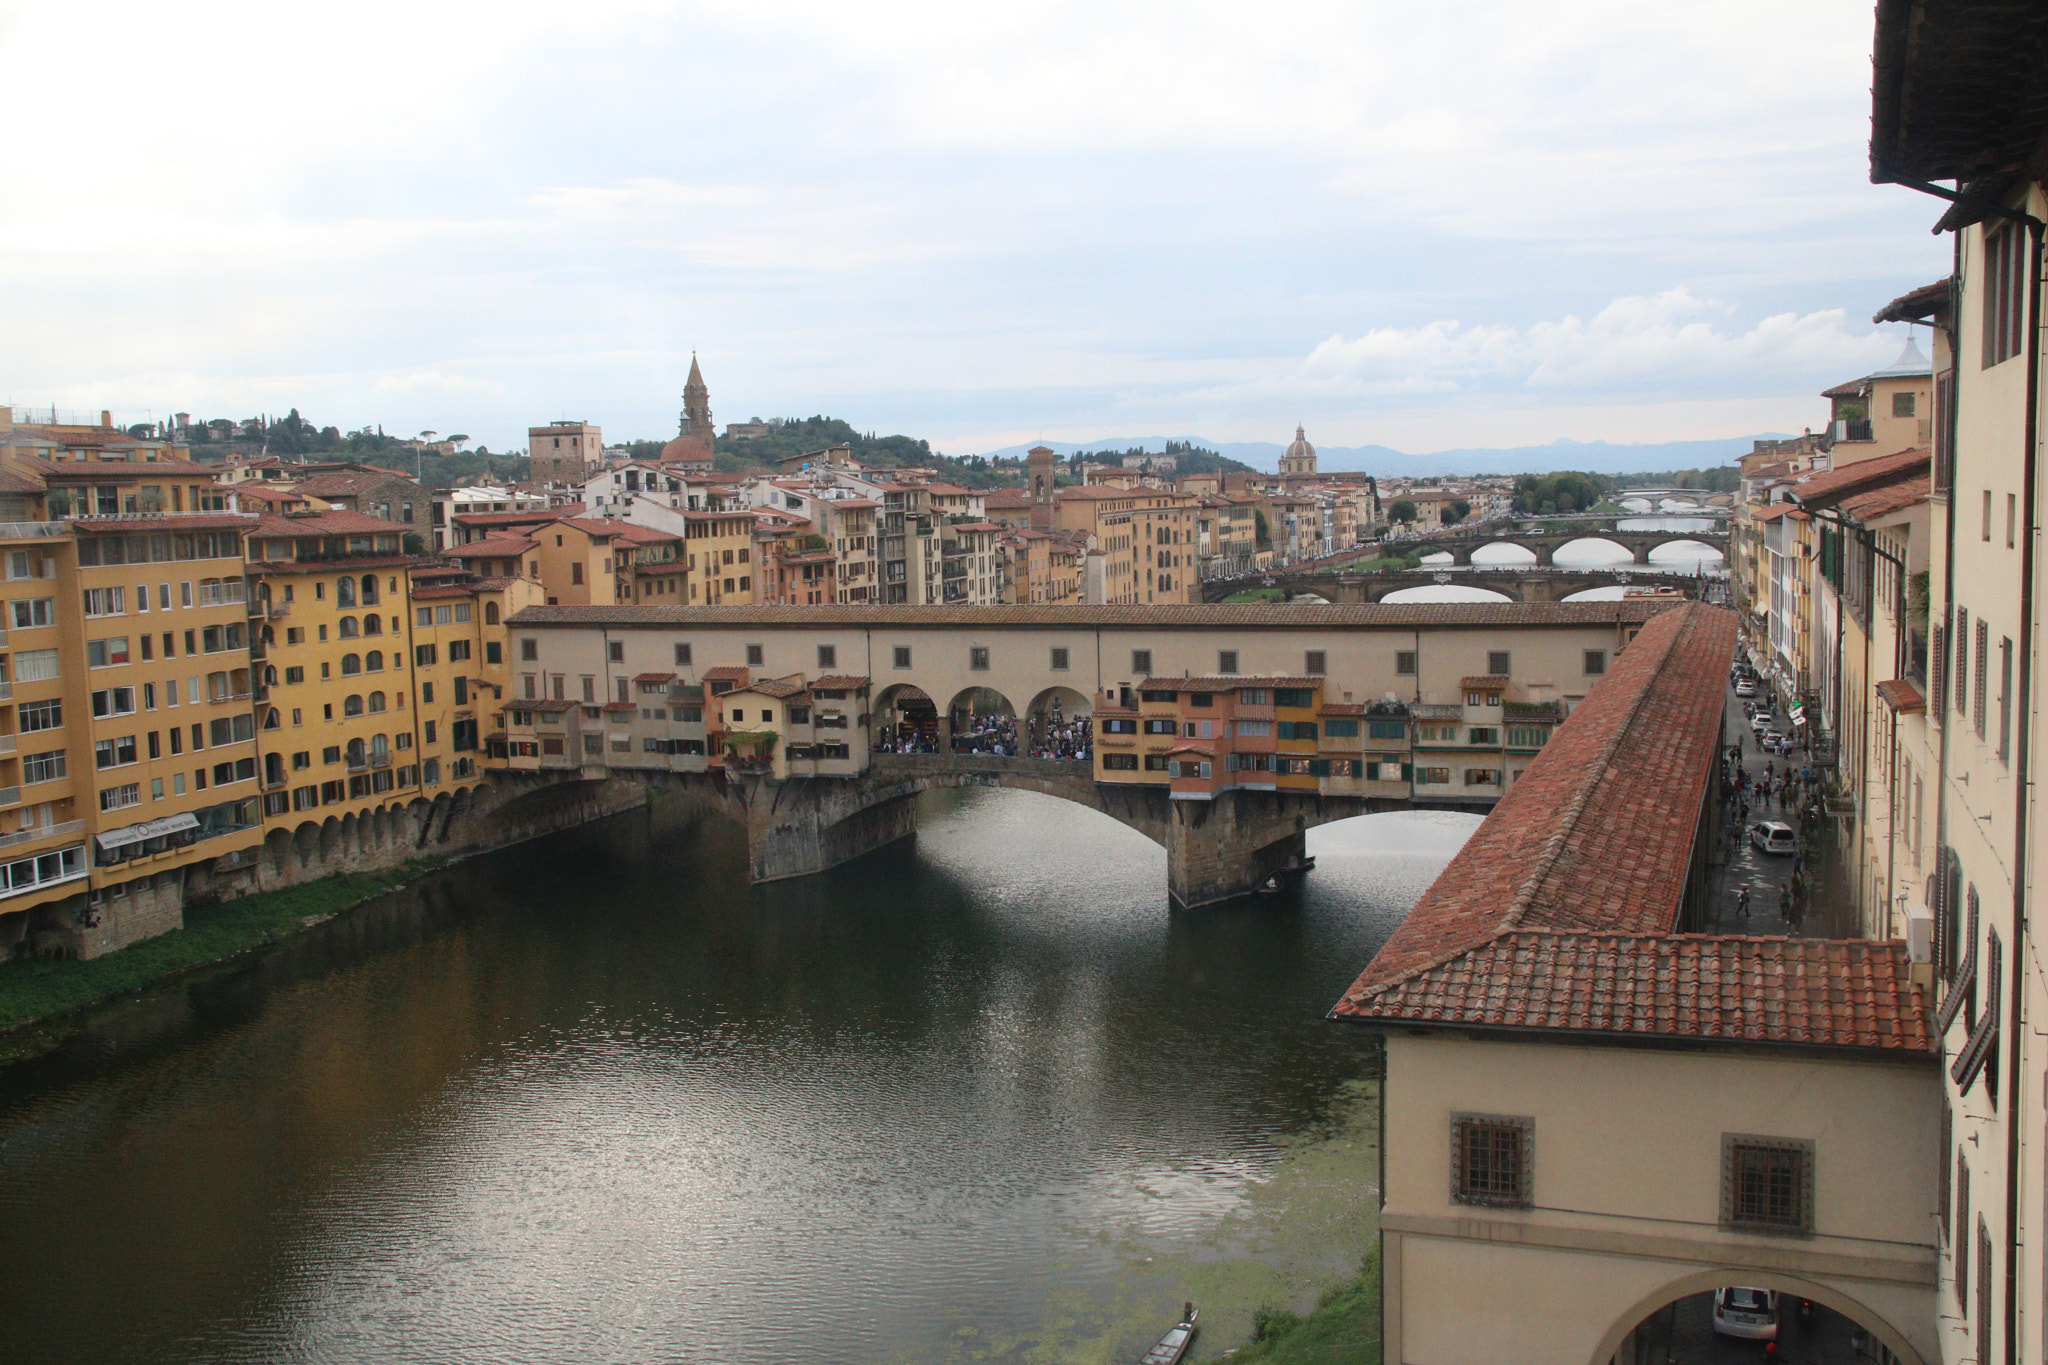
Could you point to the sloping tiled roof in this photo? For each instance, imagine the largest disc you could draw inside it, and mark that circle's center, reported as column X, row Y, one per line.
column 1814, row 992
column 1825, row 490
column 1228, row 682
column 839, row 682
column 723, row 672
column 1881, row 502
column 277, row 526
column 169, row 521
column 654, row 677
column 1559, row 914
column 1254, row 615
column 492, row 547
column 1917, row 305
column 1902, row 696
column 770, row 687
column 1483, row 680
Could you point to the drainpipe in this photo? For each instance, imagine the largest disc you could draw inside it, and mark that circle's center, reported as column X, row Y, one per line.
column 2021, row 783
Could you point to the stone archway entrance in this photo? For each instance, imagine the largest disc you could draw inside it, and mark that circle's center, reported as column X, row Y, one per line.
column 1816, row 1322
column 906, row 720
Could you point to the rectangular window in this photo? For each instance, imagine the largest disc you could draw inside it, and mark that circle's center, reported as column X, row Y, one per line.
column 35, row 665
column 1120, row 763
column 2005, row 280
column 31, row 612
column 425, row 656
column 1766, row 1185
column 1983, row 1290
column 2005, row 700
column 1341, row 729
column 1226, row 661
column 1492, row 1161
column 1387, row 729
column 1596, row 661
column 902, row 656
column 122, row 797
column 105, row 653
column 1316, row 663
column 113, row 701
column 756, row 656
column 1904, row 404
column 828, row 656
column 529, row 651
column 1497, row 662
column 977, row 658
column 1404, row 662
column 1141, row 662
column 39, row 715
column 106, row 601
column 1963, row 661
column 44, row 767
column 682, row 655
column 114, row 753
column 458, row 652
column 1983, row 675
column 1059, row 660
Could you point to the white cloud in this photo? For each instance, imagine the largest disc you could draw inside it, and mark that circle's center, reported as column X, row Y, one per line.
column 1670, row 341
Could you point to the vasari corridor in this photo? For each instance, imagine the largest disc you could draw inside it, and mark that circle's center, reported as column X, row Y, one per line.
column 1385, row 714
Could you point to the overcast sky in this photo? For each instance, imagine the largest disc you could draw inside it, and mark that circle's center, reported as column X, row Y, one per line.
column 1422, row 225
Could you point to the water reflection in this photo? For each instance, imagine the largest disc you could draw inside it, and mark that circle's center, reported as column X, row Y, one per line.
column 983, row 1096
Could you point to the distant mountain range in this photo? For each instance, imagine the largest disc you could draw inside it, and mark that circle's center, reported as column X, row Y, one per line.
column 1600, row 457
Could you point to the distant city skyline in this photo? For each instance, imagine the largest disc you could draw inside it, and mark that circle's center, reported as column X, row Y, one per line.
column 1400, row 227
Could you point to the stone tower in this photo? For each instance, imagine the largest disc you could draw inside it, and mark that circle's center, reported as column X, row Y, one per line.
column 1043, row 466
column 1300, row 460
column 697, row 406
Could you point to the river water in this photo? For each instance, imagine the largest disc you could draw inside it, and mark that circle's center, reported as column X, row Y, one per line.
column 981, row 1096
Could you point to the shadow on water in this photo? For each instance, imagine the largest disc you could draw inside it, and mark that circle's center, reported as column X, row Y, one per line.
column 978, row 1096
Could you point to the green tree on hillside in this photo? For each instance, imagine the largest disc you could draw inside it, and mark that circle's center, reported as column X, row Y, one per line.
column 1403, row 511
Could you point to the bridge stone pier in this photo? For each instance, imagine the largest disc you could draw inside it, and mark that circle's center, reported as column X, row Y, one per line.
column 1215, row 850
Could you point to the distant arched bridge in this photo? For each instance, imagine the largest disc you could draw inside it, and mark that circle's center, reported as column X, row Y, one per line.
column 1515, row 584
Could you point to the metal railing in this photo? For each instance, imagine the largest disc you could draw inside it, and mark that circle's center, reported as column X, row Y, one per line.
column 24, row 836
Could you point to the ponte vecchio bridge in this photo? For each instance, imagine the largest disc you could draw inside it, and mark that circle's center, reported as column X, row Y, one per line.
column 637, row 692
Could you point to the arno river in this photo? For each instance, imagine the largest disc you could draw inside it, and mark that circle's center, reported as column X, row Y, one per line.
column 980, row 1097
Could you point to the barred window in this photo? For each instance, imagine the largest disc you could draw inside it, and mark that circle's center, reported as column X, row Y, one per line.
column 1766, row 1184
column 1404, row 662
column 1492, row 1159
column 1937, row 672
column 1962, row 661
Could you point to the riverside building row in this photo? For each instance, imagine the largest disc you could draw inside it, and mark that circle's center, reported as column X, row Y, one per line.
column 178, row 680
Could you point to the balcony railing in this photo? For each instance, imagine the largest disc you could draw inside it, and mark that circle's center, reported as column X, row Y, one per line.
column 25, row 836
column 10, row 796
column 8, row 742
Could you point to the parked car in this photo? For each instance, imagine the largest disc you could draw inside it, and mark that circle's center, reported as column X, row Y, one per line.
column 1774, row 836
column 1751, row 1314
column 1760, row 723
column 1745, row 688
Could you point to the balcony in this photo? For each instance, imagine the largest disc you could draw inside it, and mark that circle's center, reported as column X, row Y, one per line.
column 10, row 796
column 8, row 743
column 26, row 836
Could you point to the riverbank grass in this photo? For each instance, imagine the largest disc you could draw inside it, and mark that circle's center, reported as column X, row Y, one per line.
column 1256, row 595
column 35, row 989
column 1344, row 1329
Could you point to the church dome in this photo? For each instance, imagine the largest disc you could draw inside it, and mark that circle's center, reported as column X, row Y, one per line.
column 1299, row 448
column 685, row 448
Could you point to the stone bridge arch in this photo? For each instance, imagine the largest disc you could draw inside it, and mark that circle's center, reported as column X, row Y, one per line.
column 1871, row 1304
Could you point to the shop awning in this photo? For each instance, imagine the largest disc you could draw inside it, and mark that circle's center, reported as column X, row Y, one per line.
column 148, row 829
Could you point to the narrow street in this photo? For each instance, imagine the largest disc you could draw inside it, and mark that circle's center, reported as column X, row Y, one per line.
column 1768, row 876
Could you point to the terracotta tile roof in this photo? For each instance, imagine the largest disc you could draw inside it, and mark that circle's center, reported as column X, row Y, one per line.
column 1917, row 305
column 1826, row 489
column 654, row 677
column 168, row 521
column 1811, row 992
column 839, row 682
column 440, row 590
column 1881, row 502
column 277, row 526
column 531, row 514
column 622, row 707
column 912, row 692
column 720, row 673
column 353, row 483
column 1902, row 696
column 1559, row 912
column 645, row 535
column 492, row 547
column 546, row 704
column 770, row 687
column 1262, row 616
column 1483, row 680
column 1228, row 682
column 14, row 481
column 1343, row 708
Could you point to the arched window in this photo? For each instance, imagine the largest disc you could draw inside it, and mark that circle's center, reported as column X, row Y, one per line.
column 352, row 705
column 376, row 702
column 369, row 590
column 344, row 592
column 347, row 628
column 490, row 613
column 269, row 636
column 350, row 665
column 270, row 675
column 373, row 625
column 373, row 662
column 380, row 749
column 355, row 753
column 270, row 718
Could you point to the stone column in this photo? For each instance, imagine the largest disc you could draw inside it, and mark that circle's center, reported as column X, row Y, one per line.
column 804, row 825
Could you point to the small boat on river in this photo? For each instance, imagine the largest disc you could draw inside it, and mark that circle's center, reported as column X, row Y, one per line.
column 1173, row 1347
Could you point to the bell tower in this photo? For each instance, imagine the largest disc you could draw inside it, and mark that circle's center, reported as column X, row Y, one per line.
column 1042, row 467
column 697, row 406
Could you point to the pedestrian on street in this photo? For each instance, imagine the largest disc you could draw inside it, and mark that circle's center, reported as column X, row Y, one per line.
column 1742, row 903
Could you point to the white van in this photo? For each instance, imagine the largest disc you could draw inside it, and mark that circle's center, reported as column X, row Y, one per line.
column 1751, row 1314
column 1774, row 836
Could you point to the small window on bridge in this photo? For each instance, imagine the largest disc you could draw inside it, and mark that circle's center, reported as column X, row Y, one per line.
column 1317, row 663
column 1201, row 698
column 828, row 656
column 756, row 656
column 1226, row 661
column 1404, row 662
column 683, row 655
column 977, row 657
column 1497, row 663
column 903, row 656
column 1596, row 661
column 1141, row 662
column 1059, row 660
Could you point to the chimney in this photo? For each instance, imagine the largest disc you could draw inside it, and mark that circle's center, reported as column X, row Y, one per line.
column 106, row 417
